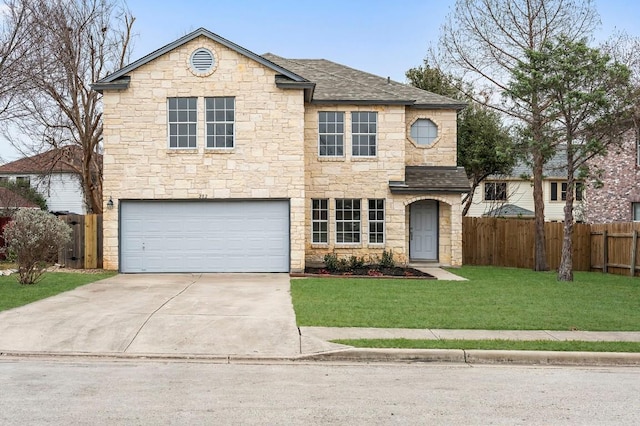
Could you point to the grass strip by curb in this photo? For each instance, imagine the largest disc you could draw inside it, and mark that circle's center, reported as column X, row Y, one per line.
column 498, row 344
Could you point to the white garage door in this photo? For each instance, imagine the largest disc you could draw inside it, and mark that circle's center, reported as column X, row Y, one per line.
column 199, row 236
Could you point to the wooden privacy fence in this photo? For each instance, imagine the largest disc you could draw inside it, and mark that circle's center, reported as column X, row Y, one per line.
column 614, row 248
column 611, row 247
column 511, row 242
column 85, row 248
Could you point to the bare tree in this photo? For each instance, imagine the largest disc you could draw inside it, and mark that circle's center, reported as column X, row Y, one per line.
column 15, row 42
column 80, row 42
column 483, row 40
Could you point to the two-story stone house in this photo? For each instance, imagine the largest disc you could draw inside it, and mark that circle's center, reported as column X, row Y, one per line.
column 217, row 159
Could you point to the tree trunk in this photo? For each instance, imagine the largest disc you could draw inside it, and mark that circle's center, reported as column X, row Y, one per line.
column 565, row 270
column 538, row 200
column 469, row 198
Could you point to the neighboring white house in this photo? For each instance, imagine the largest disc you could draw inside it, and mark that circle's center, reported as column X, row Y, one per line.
column 512, row 195
column 53, row 175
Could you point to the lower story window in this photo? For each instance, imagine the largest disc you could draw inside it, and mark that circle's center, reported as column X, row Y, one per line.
column 347, row 221
column 636, row 211
column 320, row 221
column 376, row 221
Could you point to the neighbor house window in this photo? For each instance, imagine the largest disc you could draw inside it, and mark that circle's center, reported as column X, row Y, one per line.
column 363, row 133
column 4, row 179
column 376, row 221
column 23, row 181
column 330, row 134
column 636, row 211
column 320, row 221
column 347, row 221
column 183, row 117
column 424, row 131
column 559, row 191
column 495, row 191
column 220, row 119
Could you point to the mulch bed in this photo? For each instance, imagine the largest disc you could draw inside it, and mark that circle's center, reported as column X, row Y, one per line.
column 370, row 272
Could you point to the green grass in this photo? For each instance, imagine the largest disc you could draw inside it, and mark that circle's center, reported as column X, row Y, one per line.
column 513, row 345
column 13, row 294
column 492, row 299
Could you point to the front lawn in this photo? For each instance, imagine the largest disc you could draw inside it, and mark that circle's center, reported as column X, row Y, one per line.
column 492, row 299
column 13, row 294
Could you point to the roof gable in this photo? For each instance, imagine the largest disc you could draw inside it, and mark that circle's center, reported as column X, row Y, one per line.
column 117, row 79
column 12, row 200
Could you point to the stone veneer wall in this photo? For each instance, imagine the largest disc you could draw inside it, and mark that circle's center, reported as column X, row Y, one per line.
column 621, row 178
column 368, row 178
column 443, row 152
column 267, row 161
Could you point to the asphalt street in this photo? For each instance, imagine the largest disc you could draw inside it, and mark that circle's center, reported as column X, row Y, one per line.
column 80, row 391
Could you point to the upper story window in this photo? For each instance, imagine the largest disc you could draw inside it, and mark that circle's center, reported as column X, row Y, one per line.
column 559, row 191
column 183, row 118
column 424, row 131
column 220, row 120
column 495, row 191
column 331, row 134
column 363, row 133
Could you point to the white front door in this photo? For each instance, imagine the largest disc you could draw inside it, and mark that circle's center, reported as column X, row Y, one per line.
column 423, row 232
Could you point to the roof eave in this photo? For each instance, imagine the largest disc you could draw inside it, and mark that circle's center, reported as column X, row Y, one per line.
column 120, row 84
column 457, row 107
column 402, row 188
column 361, row 102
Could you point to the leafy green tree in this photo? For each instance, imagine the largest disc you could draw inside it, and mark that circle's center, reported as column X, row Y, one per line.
column 484, row 144
column 483, row 40
column 590, row 101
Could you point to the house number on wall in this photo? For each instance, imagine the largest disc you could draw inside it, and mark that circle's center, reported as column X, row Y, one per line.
column 202, row 196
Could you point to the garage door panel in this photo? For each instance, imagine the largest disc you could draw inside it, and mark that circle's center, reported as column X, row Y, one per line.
column 184, row 236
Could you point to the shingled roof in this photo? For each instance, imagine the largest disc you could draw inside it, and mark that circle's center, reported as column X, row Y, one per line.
column 323, row 81
column 12, row 200
column 336, row 83
column 423, row 179
column 510, row 210
column 60, row 160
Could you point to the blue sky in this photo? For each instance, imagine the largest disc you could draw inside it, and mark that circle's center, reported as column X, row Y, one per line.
column 379, row 36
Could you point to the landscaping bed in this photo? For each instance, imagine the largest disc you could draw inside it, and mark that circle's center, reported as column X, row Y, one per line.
column 372, row 271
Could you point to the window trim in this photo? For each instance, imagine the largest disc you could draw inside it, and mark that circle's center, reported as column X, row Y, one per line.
column 188, row 123
column 416, row 139
column 369, row 134
column 559, row 195
column 342, row 134
column 320, row 221
column 495, row 191
column 339, row 223
column 214, row 123
column 377, row 220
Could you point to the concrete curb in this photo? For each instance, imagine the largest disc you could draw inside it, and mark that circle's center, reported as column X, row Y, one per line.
column 549, row 358
column 481, row 357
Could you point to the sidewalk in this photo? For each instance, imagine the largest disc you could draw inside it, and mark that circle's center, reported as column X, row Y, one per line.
column 335, row 333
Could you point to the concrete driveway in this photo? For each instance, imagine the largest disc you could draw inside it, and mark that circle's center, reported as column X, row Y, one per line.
column 212, row 314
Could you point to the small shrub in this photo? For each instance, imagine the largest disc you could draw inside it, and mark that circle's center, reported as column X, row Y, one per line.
column 343, row 265
column 356, row 262
column 387, row 259
column 33, row 237
column 331, row 262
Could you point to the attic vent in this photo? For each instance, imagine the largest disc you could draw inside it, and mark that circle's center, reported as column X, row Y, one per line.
column 202, row 60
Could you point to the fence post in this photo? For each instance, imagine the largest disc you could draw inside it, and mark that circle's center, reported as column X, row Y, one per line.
column 90, row 241
column 605, row 251
column 634, row 244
